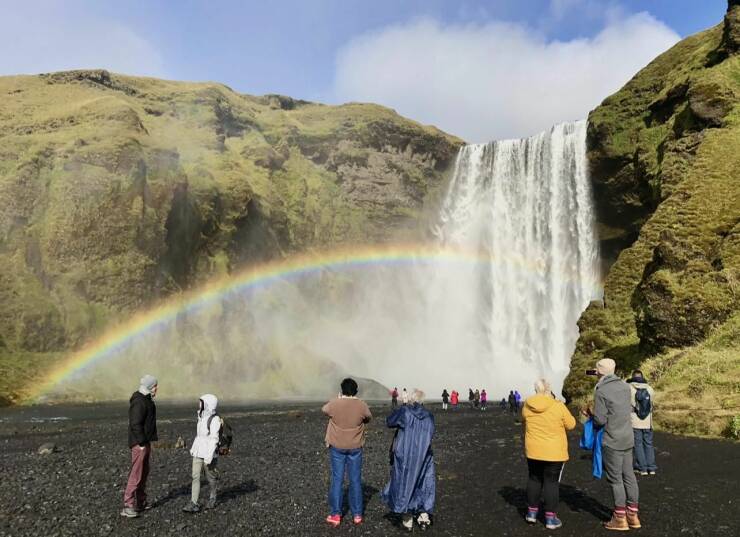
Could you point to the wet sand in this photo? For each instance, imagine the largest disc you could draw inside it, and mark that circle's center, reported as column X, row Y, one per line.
column 275, row 480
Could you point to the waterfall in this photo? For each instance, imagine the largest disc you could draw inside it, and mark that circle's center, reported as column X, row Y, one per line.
column 493, row 302
column 527, row 204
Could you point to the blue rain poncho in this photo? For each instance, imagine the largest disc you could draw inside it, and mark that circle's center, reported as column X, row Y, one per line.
column 591, row 440
column 412, row 487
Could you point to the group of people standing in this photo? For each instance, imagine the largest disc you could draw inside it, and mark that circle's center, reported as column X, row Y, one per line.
column 621, row 410
column 514, row 400
column 207, row 446
column 617, row 411
column 412, row 487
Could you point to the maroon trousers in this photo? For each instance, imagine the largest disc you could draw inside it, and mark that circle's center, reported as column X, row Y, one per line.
column 135, row 495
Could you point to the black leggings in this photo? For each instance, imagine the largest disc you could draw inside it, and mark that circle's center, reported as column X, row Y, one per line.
column 544, row 475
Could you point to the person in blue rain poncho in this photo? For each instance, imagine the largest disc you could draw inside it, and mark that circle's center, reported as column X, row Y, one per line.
column 412, row 487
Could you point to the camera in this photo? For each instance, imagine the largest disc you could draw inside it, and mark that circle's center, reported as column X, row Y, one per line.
column 592, row 372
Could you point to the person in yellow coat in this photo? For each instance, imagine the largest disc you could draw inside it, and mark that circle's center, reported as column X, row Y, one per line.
column 546, row 421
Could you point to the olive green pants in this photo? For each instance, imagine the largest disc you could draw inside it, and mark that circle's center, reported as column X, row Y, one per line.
column 199, row 466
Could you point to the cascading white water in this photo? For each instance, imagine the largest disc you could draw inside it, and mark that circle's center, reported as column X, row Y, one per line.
column 492, row 303
column 527, row 204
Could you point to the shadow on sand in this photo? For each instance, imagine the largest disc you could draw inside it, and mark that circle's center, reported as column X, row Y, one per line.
column 367, row 494
column 574, row 498
column 224, row 495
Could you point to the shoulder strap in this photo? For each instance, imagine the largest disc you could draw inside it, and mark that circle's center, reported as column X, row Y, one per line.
column 210, row 419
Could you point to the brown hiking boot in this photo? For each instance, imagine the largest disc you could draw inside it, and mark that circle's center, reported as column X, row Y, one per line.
column 618, row 523
column 633, row 521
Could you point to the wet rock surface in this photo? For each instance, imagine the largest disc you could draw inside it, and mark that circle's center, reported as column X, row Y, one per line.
column 275, row 481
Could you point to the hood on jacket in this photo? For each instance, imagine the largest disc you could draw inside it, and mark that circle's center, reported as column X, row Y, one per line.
column 210, row 402
column 639, row 384
column 608, row 379
column 539, row 403
column 418, row 411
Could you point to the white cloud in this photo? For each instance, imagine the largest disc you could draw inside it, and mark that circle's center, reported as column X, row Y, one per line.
column 54, row 37
column 498, row 80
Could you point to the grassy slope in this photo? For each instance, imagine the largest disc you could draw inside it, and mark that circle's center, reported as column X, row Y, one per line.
column 698, row 200
column 91, row 166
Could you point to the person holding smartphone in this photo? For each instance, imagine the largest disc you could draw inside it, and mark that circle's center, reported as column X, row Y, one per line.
column 613, row 411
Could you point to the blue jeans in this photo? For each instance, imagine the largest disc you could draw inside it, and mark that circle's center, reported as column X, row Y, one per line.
column 644, row 450
column 352, row 459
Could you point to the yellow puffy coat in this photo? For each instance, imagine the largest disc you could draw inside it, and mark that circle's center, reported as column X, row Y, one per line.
column 545, row 423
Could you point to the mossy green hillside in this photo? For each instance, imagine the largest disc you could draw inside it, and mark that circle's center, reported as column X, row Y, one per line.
column 117, row 191
column 665, row 164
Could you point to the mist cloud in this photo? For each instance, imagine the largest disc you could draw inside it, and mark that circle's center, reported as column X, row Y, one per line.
column 56, row 37
column 496, row 80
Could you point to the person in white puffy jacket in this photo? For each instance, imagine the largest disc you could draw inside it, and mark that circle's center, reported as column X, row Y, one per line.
column 205, row 452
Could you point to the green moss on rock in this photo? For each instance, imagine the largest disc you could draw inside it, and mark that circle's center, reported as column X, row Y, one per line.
column 665, row 162
column 117, row 191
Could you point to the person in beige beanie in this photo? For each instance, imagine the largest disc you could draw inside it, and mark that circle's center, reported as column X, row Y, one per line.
column 613, row 411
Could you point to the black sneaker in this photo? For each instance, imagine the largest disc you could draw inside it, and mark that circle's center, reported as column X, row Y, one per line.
column 146, row 506
column 191, row 508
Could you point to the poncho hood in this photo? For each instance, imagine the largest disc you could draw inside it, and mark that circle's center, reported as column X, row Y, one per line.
column 418, row 411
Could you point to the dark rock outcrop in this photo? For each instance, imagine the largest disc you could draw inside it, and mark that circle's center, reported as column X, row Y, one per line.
column 665, row 164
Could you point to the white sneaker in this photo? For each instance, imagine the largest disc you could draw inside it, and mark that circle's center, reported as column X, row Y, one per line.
column 408, row 521
column 423, row 521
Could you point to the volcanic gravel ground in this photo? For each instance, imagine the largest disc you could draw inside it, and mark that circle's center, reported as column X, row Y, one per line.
column 275, row 480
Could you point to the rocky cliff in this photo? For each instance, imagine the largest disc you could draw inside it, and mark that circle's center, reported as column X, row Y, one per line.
column 664, row 153
column 116, row 191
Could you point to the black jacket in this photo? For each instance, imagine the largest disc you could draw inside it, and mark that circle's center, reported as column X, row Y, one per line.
column 142, row 420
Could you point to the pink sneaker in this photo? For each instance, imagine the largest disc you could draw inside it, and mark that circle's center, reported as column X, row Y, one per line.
column 334, row 520
column 357, row 520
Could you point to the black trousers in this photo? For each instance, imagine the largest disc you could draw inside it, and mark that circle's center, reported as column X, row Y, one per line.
column 544, row 480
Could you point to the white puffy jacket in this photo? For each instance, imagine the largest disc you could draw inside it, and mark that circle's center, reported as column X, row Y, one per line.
column 206, row 442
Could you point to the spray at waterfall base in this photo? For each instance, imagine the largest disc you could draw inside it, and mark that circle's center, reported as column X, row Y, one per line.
column 492, row 302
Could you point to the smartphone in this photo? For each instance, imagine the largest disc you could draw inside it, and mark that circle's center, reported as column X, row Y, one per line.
column 592, row 372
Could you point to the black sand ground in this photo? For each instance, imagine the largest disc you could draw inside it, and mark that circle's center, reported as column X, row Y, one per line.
column 275, row 481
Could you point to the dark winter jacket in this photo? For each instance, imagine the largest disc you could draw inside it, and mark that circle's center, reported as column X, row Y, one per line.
column 445, row 397
column 142, row 420
column 613, row 412
column 412, row 487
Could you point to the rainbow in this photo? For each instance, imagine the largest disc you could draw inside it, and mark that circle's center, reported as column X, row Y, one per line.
column 293, row 267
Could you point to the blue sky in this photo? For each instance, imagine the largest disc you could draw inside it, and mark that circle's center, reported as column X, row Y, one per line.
column 334, row 50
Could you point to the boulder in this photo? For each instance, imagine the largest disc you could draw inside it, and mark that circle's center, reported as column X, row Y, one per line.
column 47, row 449
column 681, row 296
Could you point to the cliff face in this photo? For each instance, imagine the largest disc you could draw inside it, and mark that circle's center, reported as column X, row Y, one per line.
column 116, row 191
column 664, row 153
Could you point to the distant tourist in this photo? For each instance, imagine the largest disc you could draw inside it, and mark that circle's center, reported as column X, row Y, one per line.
column 454, row 399
column 394, row 398
column 142, row 431
column 405, row 397
column 546, row 421
column 518, row 398
column 205, row 452
column 483, row 399
column 512, row 403
column 642, row 424
column 471, row 397
column 412, row 487
column 613, row 410
column 345, row 437
column 502, row 404
column 476, row 398
column 445, row 399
